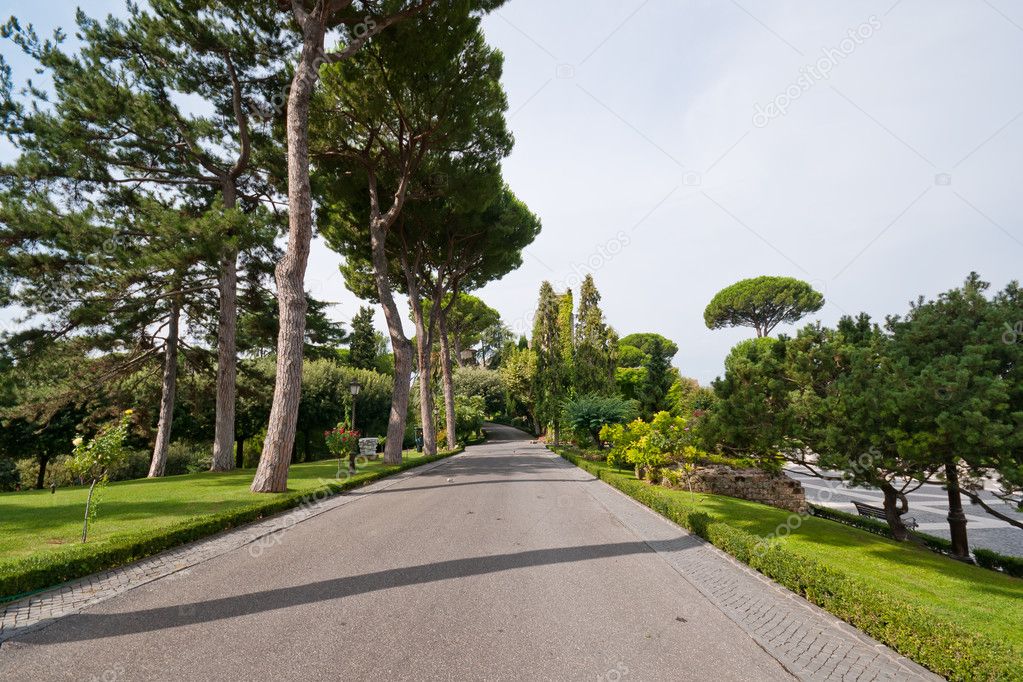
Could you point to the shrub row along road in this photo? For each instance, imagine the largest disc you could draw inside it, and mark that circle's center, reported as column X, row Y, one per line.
column 502, row 563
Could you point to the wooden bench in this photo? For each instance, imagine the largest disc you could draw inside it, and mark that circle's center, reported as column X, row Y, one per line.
column 873, row 512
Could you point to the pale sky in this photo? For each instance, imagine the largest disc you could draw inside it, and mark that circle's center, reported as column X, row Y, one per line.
column 650, row 141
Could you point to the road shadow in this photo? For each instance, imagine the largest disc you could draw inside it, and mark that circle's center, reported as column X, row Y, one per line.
column 489, row 481
column 91, row 626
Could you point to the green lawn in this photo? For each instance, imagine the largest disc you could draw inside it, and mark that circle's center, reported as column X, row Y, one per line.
column 37, row 522
column 978, row 599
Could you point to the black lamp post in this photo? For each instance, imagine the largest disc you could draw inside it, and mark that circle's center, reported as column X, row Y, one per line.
column 354, row 387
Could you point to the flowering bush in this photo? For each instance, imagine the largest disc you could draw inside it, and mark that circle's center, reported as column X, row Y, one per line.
column 341, row 440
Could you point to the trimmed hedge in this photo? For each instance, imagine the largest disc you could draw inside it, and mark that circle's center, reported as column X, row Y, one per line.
column 941, row 646
column 986, row 558
column 878, row 527
column 999, row 562
column 20, row 577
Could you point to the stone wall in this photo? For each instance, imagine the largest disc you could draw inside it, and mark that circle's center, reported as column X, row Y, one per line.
column 755, row 485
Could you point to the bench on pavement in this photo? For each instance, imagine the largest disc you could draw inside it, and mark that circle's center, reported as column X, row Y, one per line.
column 873, row 512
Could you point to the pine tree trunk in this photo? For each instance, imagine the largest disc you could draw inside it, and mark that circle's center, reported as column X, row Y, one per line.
column 423, row 343
column 170, row 380
column 272, row 473
column 399, row 400
column 892, row 512
column 956, row 516
column 447, row 378
column 223, row 443
column 457, row 345
column 41, row 476
column 401, row 346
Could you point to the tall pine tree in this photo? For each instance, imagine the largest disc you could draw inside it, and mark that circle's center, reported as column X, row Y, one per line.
column 362, row 351
column 596, row 345
column 413, row 102
column 550, row 379
column 123, row 116
column 566, row 324
column 658, row 380
column 359, row 21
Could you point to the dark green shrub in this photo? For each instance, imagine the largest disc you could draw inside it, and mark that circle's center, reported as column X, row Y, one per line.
column 878, row 527
column 136, row 465
column 10, row 478
column 1007, row 564
column 186, row 458
column 862, row 522
column 486, row 383
column 470, row 413
column 588, row 414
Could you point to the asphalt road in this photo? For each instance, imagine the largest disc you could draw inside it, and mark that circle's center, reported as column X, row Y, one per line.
column 496, row 565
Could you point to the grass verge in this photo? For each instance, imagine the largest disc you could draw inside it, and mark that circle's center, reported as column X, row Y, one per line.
column 40, row 531
column 962, row 622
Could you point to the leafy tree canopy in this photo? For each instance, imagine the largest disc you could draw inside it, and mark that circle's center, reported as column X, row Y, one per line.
column 762, row 303
column 645, row 341
column 630, row 356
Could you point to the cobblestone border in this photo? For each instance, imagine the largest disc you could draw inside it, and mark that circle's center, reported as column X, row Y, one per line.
column 809, row 642
column 40, row 610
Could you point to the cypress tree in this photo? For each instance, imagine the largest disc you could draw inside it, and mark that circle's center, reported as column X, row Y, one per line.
column 362, row 351
column 550, row 381
column 596, row 345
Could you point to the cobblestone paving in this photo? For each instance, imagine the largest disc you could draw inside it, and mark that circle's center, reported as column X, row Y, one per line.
column 811, row 643
column 42, row 609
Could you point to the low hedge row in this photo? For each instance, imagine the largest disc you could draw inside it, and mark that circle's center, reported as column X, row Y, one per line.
column 999, row 562
column 985, row 558
column 941, row 646
column 20, row 577
column 877, row 527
